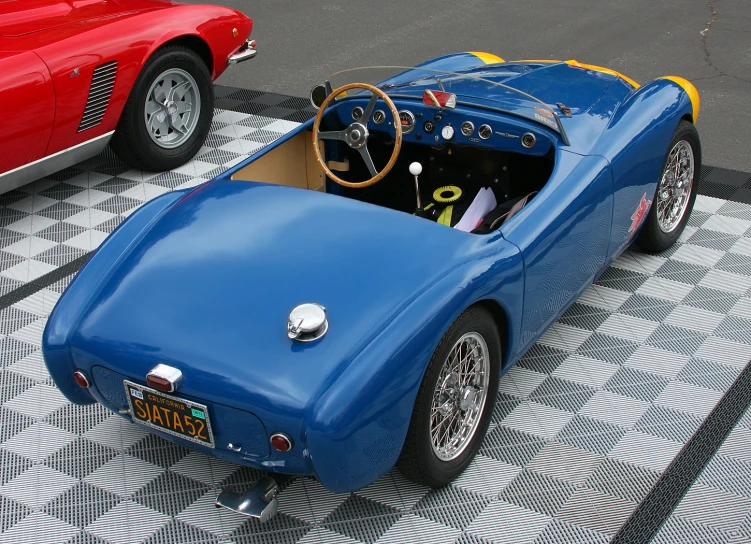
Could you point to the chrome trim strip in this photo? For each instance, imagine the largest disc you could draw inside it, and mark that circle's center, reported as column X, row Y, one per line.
column 45, row 166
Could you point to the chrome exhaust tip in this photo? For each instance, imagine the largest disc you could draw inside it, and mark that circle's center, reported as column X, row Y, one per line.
column 258, row 502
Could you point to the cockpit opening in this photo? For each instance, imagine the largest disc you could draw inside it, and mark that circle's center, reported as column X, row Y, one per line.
column 464, row 151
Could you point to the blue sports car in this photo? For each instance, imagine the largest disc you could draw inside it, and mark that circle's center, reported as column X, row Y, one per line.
column 348, row 298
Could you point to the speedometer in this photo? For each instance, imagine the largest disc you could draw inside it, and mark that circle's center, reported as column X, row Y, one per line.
column 407, row 120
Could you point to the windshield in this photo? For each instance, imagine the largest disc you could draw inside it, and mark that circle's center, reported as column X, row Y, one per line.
column 478, row 87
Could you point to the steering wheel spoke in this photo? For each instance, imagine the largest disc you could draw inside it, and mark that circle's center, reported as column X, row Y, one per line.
column 333, row 135
column 369, row 109
column 365, row 154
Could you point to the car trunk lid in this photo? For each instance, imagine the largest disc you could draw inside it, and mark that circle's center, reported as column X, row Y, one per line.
column 209, row 287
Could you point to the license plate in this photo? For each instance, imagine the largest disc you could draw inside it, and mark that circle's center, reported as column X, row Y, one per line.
column 173, row 415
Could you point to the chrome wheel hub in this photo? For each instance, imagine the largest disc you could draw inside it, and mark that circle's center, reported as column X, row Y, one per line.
column 173, row 105
column 356, row 135
column 675, row 187
column 459, row 396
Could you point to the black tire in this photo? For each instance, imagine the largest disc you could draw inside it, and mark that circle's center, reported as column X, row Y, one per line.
column 131, row 141
column 652, row 238
column 418, row 461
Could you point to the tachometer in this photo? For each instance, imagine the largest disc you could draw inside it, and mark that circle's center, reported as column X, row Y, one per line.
column 407, row 120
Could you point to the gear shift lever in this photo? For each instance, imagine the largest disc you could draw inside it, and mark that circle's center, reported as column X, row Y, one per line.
column 416, row 169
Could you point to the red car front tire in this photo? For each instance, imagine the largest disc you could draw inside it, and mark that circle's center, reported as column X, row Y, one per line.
column 168, row 113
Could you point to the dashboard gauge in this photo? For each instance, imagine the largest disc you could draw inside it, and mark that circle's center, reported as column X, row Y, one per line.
column 357, row 113
column 485, row 131
column 407, row 120
column 467, row 128
column 379, row 117
column 428, row 127
column 528, row 140
column 447, row 132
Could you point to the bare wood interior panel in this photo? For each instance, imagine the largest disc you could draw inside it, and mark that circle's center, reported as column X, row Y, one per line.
column 293, row 164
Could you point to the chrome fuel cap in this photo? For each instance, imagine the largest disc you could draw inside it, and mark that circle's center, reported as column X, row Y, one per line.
column 307, row 322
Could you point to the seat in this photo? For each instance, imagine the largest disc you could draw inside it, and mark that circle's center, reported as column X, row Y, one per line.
column 502, row 213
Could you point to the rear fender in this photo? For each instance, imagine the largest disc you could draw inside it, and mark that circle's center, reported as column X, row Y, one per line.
column 357, row 426
column 65, row 317
column 635, row 143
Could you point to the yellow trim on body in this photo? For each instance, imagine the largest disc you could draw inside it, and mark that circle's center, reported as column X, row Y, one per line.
column 691, row 91
column 578, row 64
column 627, row 79
column 487, row 58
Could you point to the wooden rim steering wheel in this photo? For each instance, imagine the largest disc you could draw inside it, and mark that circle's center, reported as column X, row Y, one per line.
column 356, row 135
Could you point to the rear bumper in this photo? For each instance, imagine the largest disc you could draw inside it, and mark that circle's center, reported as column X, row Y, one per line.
column 245, row 52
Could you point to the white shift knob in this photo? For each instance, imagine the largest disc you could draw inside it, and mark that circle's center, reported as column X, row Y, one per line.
column 415, row 168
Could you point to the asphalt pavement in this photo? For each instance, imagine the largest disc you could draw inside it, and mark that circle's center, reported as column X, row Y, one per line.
column 709, row 43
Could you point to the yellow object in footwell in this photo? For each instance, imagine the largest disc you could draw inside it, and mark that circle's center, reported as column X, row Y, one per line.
column 445, row 217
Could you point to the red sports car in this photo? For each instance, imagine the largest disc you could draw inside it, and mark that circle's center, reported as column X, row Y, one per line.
column 76, row 75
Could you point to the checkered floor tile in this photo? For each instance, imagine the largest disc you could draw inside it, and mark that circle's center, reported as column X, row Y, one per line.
column 584, row 425
column 717, row 508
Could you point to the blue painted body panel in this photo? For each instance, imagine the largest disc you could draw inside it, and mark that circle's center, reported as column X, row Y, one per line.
column 563, row 235
column 203, row 280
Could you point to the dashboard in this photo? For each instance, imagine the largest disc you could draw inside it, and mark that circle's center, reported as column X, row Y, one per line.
column 462, row 126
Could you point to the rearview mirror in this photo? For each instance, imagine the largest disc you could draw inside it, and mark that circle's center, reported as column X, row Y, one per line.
column 317, row 95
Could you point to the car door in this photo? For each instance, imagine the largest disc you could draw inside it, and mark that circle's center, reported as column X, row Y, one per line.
column 563, row 235
column 27, row 109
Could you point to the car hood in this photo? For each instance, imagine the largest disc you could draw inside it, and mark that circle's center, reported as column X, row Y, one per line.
column 208, row 288
column 20, row 18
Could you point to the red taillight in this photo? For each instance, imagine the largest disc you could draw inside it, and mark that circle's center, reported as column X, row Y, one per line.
column 81, row 379
column 281, row 442
column 159, row 383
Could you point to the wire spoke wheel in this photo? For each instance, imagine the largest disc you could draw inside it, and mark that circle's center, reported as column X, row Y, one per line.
column 674, row 190
column 173, row 104
column 459, row 397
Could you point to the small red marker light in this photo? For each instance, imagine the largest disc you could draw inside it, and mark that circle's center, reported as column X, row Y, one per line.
column 281, row 442
column 159, row 383
column 81, row 379
column 164, row 378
